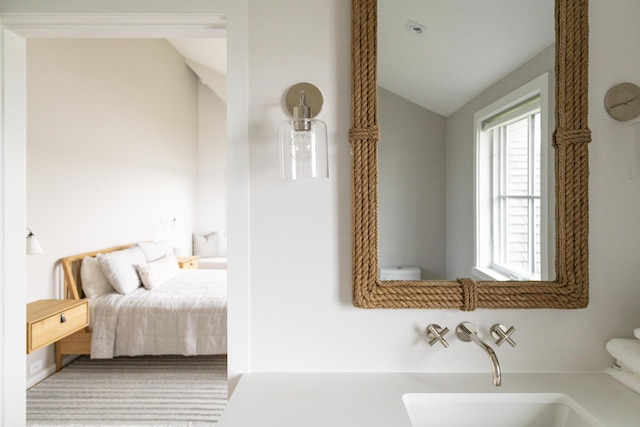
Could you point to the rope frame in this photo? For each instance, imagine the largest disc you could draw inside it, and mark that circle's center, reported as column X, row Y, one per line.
column 570, row 290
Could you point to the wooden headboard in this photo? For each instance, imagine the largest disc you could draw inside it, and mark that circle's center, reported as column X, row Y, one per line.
column 71, row 266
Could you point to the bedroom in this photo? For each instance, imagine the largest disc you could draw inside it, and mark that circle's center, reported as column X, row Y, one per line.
column 150, row 152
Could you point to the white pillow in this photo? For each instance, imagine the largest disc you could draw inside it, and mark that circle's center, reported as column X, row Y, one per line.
column 119, row 268
column 156, row 273
column 93, row 281
column 155, row 250
column 205, row 245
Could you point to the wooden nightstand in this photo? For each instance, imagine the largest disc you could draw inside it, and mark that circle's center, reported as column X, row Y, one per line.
column 190, row 261
column 50, row 320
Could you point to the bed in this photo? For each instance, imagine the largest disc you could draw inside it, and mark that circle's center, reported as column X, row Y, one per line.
column 168, row 311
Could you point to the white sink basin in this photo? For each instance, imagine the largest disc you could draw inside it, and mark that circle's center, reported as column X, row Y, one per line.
column 496, row 410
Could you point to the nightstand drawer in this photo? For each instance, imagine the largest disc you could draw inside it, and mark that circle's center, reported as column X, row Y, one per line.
column 55, row 321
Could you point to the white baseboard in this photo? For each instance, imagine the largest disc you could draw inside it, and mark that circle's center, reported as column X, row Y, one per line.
column 43, row 374
column 50, row 370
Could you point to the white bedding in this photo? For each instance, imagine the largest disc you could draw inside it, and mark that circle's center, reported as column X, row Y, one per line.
column 185, row 316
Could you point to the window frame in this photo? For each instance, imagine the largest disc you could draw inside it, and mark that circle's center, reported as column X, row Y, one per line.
column 501, row 194
column 484, row 179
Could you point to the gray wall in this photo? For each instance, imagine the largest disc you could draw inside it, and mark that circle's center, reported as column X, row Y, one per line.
column 411, row 185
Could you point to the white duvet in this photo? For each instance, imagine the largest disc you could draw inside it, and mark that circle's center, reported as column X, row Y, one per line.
column 186, row 316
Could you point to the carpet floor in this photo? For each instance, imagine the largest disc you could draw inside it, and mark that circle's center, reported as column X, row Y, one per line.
column 151, row 391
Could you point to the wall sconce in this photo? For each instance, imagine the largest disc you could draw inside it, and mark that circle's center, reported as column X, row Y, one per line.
column 168, row 222
column 622, row 101
column 303, row 140
column 33, row 245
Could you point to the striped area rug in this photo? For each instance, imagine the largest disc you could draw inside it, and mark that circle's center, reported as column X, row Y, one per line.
column 132, row 391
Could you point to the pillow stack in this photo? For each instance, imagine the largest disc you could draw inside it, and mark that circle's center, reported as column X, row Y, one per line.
column 627, row 355
column 119, row 268
column 149, row 264
column 161, row 264
column 94, row 284
column 156, row 273
column 155, row 250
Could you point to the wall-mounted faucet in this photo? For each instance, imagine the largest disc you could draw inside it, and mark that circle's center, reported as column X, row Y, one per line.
column 467, row 331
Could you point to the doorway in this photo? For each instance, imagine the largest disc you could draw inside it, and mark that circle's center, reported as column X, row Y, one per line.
column 125, row 144
column 15, row 32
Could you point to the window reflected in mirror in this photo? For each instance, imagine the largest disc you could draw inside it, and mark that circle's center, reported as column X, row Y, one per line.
column 512, row 190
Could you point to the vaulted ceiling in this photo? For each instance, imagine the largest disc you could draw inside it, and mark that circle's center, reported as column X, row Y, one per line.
column 462, row 48
column 207, row 57
column 439, row 54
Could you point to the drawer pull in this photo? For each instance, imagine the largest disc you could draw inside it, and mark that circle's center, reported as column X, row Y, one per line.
column 63, row 318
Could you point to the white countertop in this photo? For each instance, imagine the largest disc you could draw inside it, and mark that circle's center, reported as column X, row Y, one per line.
column 375, row 399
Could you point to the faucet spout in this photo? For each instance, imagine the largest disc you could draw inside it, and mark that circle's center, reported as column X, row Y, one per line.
column 467, row 332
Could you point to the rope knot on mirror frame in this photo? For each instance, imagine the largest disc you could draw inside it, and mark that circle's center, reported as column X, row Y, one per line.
column 469, row 294
column 365, row 134
column 562, row 137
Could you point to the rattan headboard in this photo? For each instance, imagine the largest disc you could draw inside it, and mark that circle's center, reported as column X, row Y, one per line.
column 71, row 266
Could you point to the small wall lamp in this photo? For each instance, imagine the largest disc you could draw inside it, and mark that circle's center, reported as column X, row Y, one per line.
column 33, row 245
column 302, row 139
column 168, row 222
column 622, row 101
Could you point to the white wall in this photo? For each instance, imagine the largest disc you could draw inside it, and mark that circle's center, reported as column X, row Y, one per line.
column 614, row 198
column 301, row 313
column 112, row 150
column 211, row 212
column 411, row 186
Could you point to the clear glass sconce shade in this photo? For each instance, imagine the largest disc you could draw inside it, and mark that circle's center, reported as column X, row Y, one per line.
column 303, row 152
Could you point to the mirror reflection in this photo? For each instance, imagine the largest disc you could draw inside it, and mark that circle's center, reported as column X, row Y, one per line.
column 458, row 80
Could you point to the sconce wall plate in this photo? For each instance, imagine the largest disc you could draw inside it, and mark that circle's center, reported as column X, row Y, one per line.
column 622, row 101
column 311, row 92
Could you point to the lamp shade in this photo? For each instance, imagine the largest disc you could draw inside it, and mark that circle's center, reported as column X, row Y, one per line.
column 303, row 144
column 33, row 245
column 303, row 152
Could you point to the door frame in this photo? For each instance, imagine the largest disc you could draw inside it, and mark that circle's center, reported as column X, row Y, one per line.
column 15, row 29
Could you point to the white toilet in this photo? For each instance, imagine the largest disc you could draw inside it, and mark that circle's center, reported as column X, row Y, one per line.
column 399, row 273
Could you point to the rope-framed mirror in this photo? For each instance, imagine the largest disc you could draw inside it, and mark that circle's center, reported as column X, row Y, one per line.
column 570, row 289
